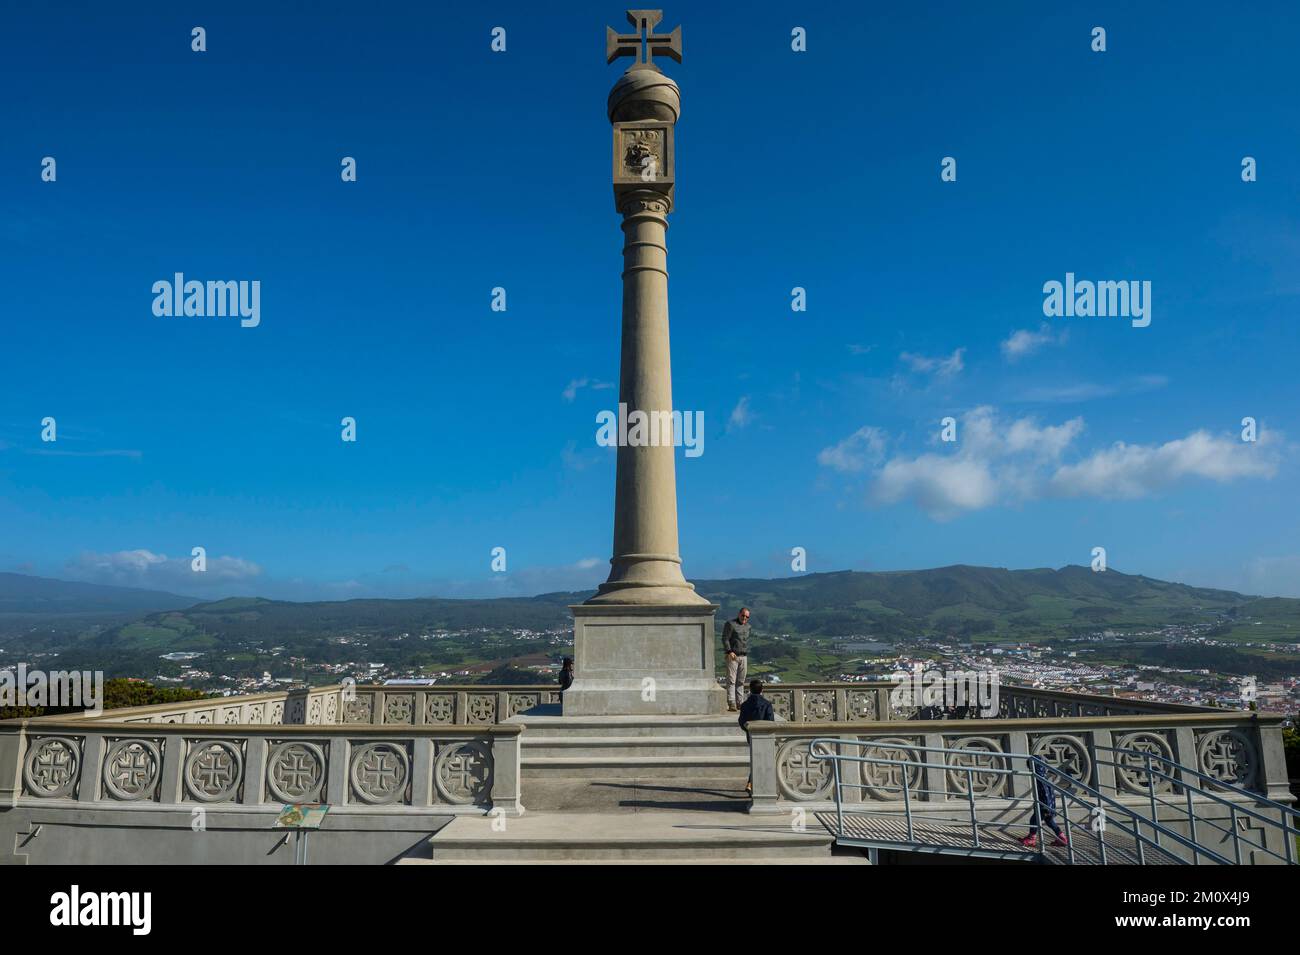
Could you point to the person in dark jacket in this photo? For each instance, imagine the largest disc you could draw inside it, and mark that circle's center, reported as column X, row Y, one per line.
column 756, row 707
column 735, row 646
column 566, row 674
column 1046, row 797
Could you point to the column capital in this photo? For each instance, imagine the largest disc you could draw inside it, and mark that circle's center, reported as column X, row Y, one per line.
column 643, row 202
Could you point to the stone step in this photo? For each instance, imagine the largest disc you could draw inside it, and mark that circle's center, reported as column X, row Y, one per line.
column 551, row 726
column 837, row 857
column 628, row 794
column 623, row 746
column 626, row 836
column 633, row 766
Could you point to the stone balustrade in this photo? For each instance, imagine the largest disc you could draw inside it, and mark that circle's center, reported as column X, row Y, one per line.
column 170, row 763
column 861, row 702
column 347, row 704
column 1241, row 748
column 472, row 705
column 480, row 704
column 395, row 762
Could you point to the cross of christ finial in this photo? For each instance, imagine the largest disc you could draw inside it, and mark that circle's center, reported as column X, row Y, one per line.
column 644, row 44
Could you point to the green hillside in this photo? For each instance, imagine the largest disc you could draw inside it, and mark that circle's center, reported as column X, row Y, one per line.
column 991, row 602
column 969, row 603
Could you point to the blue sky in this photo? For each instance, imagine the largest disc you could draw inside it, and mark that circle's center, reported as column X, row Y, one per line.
column 820, row 169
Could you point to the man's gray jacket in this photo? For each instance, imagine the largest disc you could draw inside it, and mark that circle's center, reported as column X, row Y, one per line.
column 735, row 638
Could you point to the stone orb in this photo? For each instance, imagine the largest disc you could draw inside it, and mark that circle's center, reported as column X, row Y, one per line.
column 642, row 94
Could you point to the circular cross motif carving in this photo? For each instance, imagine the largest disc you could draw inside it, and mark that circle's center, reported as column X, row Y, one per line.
column 439, row 709
column 818, row 706
column 295, row 771
column 799, row 775
column 900, row 710
column 1228, row 756
column 131, row 768
column 379, row 772
column 51, row 767
column 781, row 705
column 399, row 709
column 522, row 701
column 358, row 710
column 463, row 773
column 1066, row 753
column 862, row 705
column 213, row 770
column 886, row 780
column 981, row 753
column 1131, row 772
column 482, row 708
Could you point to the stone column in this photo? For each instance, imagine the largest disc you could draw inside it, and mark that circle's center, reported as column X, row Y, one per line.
column 646, row 567
column 645, row 642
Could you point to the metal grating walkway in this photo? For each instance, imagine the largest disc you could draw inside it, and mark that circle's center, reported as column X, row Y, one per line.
column 881, row 830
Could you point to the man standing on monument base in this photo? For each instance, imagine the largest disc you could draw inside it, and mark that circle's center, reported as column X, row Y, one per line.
column 735, row 645
column 644, row 642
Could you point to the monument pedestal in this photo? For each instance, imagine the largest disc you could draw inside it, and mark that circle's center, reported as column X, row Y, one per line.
column 637, row 659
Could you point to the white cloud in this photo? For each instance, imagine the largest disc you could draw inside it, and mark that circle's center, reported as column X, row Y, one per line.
column 940, row 485
column 1025, row 342
column 859, row 450
column 1088, row 391
column 575, row 385
column 740, row 415
column 1136, row 470
column 144, row 568
column 940, row 367
column 996, row 461
column 579, row 459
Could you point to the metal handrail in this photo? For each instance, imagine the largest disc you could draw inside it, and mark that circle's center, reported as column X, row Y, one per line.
column 819, row 748
column 1284, row 811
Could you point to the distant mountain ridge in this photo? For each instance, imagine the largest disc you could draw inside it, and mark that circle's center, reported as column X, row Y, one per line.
column 21, row 593
column 959, row 601
column 964, row 600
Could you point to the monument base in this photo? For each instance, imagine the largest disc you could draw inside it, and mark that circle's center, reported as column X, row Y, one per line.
column 639, row 660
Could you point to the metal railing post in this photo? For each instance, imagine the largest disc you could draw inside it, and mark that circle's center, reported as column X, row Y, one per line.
column 1236, row 835
column 907, row 808
column 1038, row 813
column 970, row 798
column 1191, row 826
column 1069, row 833
column 839, row 800
column 1151, row 791
column 1101, row 836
